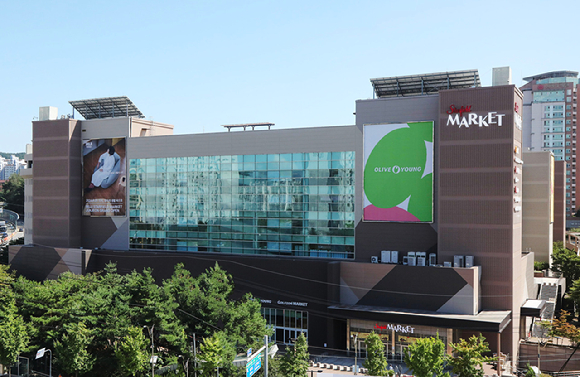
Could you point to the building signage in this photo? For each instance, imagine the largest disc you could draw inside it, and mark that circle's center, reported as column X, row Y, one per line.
column 254, row 364
column 396, row 328
column 456, row 117
column 398, row 172
column 104, row 177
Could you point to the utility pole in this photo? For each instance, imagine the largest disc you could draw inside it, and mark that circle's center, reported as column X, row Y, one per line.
column 150, row 331
column 266, row 356
column 194, row 357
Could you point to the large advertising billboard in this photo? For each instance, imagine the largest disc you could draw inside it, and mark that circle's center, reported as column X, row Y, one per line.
column 104, row 177
column 398, row 172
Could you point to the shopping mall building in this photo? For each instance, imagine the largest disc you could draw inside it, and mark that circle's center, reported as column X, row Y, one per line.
column 408, row 223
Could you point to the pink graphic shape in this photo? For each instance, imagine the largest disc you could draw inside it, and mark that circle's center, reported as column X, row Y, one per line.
column 372, row 213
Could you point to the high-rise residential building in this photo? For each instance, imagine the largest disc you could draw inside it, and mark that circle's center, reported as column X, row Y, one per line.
column 549, row 122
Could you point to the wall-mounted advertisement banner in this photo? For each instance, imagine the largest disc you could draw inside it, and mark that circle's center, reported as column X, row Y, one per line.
column 104, row 177
column 398, row 172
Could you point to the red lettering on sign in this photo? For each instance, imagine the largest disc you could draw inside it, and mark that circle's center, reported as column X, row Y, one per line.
column 380, row 327
column 516, row 108
column 460, row 111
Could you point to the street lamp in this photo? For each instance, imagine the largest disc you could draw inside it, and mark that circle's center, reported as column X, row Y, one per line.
column 355, row 353
column 40, row 353
column 153, row 357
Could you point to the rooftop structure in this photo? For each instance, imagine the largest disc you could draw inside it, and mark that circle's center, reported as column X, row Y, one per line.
column 418, row 85
column 108, row 107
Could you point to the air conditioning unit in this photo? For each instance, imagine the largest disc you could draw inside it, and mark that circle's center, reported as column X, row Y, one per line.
column 421, row 261
column 432, row 259
column 469, row 261
column 405, row 260
column 394, row 256
column 446, row 264
column 374, row 259
column 411, row 261
column 421, row 254
column 385, row 256
column 458, row 261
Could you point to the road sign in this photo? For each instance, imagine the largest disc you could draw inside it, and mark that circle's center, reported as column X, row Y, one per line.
column 249, row 353
column 254, row 364
column 40, row 353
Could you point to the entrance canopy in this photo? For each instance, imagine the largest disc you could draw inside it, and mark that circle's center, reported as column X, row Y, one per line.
column 484, row 321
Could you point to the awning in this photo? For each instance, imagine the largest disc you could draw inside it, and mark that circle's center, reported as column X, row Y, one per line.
column 484, row 321
column 533, row 308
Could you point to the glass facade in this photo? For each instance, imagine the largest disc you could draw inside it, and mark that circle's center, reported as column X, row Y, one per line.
column 299, row 204
column 287, row 324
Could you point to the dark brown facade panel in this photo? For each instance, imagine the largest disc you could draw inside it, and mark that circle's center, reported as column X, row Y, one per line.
column 52, row 128
column 475, row 184
column 393, row 236
column 51, row 148
column 51, row 169
column 473, row 240
column 50, row 187
column 51, row 207
column 496, row 212
column 475, row 156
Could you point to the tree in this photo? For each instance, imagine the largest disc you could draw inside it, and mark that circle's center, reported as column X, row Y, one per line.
column 562, row 328
column 73, row 356
column 295, row 362
column 426, row 357
column 14, row 336
column 131, row 352
column 375, row 363
column 13, row 193
column 214, row 353
column 469, row 360
column 567, row 262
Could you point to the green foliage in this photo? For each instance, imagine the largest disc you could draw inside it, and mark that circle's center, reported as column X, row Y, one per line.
column 131, row 352
column 215, row 352
column 375, row 363
column 20, row 155
column 530, row 372
column 426, row 357
column 561, row 327
column 574, row 292
column 100, row 317
column 567, row 262
column 295, row 362
column 14, row 336
column 73, row 356
column 274, row 367
column 539, row 266
column 13, row 193
column 469, row 360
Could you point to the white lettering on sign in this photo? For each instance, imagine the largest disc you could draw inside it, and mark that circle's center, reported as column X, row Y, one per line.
column 292, row 303
column 396, row 328
column 472, row 119
column 397, row 169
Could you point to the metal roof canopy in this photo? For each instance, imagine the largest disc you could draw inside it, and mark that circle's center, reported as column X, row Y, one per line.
column 417, row 85
column 108, row 107
column 552, row 74
column 246, row 125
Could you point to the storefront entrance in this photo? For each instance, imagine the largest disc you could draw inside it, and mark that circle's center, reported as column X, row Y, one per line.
column 395, row 337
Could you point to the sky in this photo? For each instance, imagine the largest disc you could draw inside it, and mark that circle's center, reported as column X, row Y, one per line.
column 202, row 64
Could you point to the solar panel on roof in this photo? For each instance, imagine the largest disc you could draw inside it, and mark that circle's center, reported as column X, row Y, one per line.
column 416, row 85
column 108, row 107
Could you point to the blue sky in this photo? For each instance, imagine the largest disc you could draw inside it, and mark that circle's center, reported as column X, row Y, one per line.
column 200, row 64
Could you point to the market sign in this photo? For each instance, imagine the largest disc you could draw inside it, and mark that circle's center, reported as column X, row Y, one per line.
column 396, row 328
column 456, row 117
